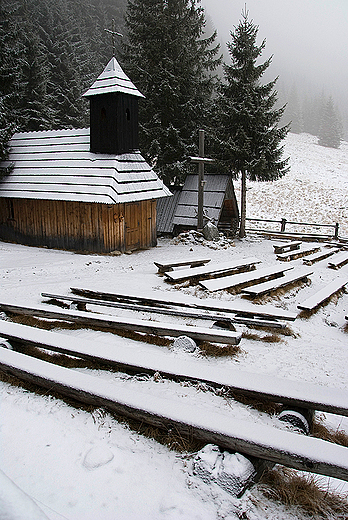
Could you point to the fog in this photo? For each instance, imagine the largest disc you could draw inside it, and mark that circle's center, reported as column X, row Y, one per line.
column 307, row 38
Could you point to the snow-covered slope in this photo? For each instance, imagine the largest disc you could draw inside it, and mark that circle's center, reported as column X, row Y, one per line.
column 314, row 191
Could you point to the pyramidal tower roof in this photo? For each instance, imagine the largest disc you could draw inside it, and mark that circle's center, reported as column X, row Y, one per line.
column 112, row 80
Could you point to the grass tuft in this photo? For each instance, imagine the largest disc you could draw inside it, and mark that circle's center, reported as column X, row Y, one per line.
column 305, row 492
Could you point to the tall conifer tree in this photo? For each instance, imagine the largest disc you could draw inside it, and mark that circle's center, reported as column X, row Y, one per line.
column 246, row 134
column 330, row 131
column 171, row 61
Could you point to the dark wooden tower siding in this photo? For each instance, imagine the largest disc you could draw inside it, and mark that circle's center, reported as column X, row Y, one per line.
column 63, row 194
column 113, row 111
column 114, row 123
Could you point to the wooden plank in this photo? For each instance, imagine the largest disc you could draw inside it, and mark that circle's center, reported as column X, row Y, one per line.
column 321, row 296
column 279, row 446
column 339, row 260
column 291, row 255
column 212, row 269
column 316, row 257
column 183, row 313
column 288, row 278
column 290, row 246
column 236, row 280
column 163, row 267
column 237, row 308
column 147, row 327
column 290, row 393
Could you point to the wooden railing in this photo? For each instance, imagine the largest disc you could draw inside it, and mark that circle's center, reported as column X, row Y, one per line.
column 284, row 222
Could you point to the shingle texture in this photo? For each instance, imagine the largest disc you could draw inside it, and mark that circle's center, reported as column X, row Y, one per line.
column 58, row 165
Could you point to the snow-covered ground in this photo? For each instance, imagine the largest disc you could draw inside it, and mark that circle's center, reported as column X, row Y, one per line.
column 81, row 465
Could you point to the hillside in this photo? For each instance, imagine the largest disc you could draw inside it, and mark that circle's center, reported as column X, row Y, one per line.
column 314, row 191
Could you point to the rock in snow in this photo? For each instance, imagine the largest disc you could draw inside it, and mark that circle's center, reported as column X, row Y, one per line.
column 96, row 457
column 231, row 471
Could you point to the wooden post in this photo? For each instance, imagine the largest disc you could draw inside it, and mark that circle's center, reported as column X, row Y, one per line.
column 336, row 229
column 283, row 224
column 201, row 160
column 200, row 183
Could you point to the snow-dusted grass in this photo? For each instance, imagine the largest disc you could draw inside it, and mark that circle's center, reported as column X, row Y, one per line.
column 314, row 191
column 82, row 465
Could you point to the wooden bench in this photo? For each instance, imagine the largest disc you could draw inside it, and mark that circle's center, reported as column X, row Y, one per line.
column 272, row 285
column 289, row 246
column 137, row 325
column 339, row 260
column 212, row 269
column 163, row 268
column 279, row 446
column 316, row 257
column 82, row 303
column 292, row 255
column 236, row 280
column 235, row 308
column 323, row 294
column 291, row 393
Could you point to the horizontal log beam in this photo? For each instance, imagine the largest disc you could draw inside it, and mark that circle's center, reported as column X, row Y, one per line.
column 278, row 446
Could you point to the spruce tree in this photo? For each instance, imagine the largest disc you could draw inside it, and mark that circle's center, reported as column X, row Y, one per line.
column 330, row 131
column 170, row 60
column 247, row 139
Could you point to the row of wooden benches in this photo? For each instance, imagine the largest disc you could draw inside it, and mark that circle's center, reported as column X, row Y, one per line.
column 258, row 281
column 276, row 445
column 310, row 253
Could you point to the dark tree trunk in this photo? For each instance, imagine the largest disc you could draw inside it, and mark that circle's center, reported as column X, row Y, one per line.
column 242, row 205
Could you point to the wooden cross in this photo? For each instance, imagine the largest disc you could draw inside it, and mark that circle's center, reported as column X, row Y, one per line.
column 201, row 160
column 113, row 34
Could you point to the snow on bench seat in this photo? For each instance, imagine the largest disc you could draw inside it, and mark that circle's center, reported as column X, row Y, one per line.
column 114, row 322
column 235, row 280
column 304, row 251
column 279, row 446
column 304, row 395
column 323, row 294
column 81, row 304
column 162, row 268
column 321, row 255
column 237, row 308
column 212, row 269
column 272, row 285
column 289, row 246
column 339, row 260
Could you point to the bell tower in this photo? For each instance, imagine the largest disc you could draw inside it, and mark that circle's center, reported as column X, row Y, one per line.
column 113, row 112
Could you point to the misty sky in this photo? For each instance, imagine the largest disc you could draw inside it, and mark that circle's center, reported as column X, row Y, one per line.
column 307, row 38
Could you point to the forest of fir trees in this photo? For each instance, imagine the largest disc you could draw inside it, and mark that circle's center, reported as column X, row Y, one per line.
column 51, row 52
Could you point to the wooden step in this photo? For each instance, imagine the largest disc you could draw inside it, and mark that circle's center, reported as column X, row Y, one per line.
column 316, row 257
column 171, row 311
column 289, row 246
column 212, row 269
column 236, row 308
column 148, row 327
column 278, row 446
column 164, row 267
column 339, row 260
column 292, row 255
column 323, row 294
column 227, row 282
column 273, row 285
column 291, row 393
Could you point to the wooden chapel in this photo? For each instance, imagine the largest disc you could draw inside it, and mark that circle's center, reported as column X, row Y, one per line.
column 84, row 189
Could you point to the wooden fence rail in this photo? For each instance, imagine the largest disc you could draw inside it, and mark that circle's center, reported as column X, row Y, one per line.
column 283, row 222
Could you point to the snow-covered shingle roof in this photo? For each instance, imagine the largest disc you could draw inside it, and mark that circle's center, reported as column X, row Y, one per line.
column 58, row 165
column 111, row 80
